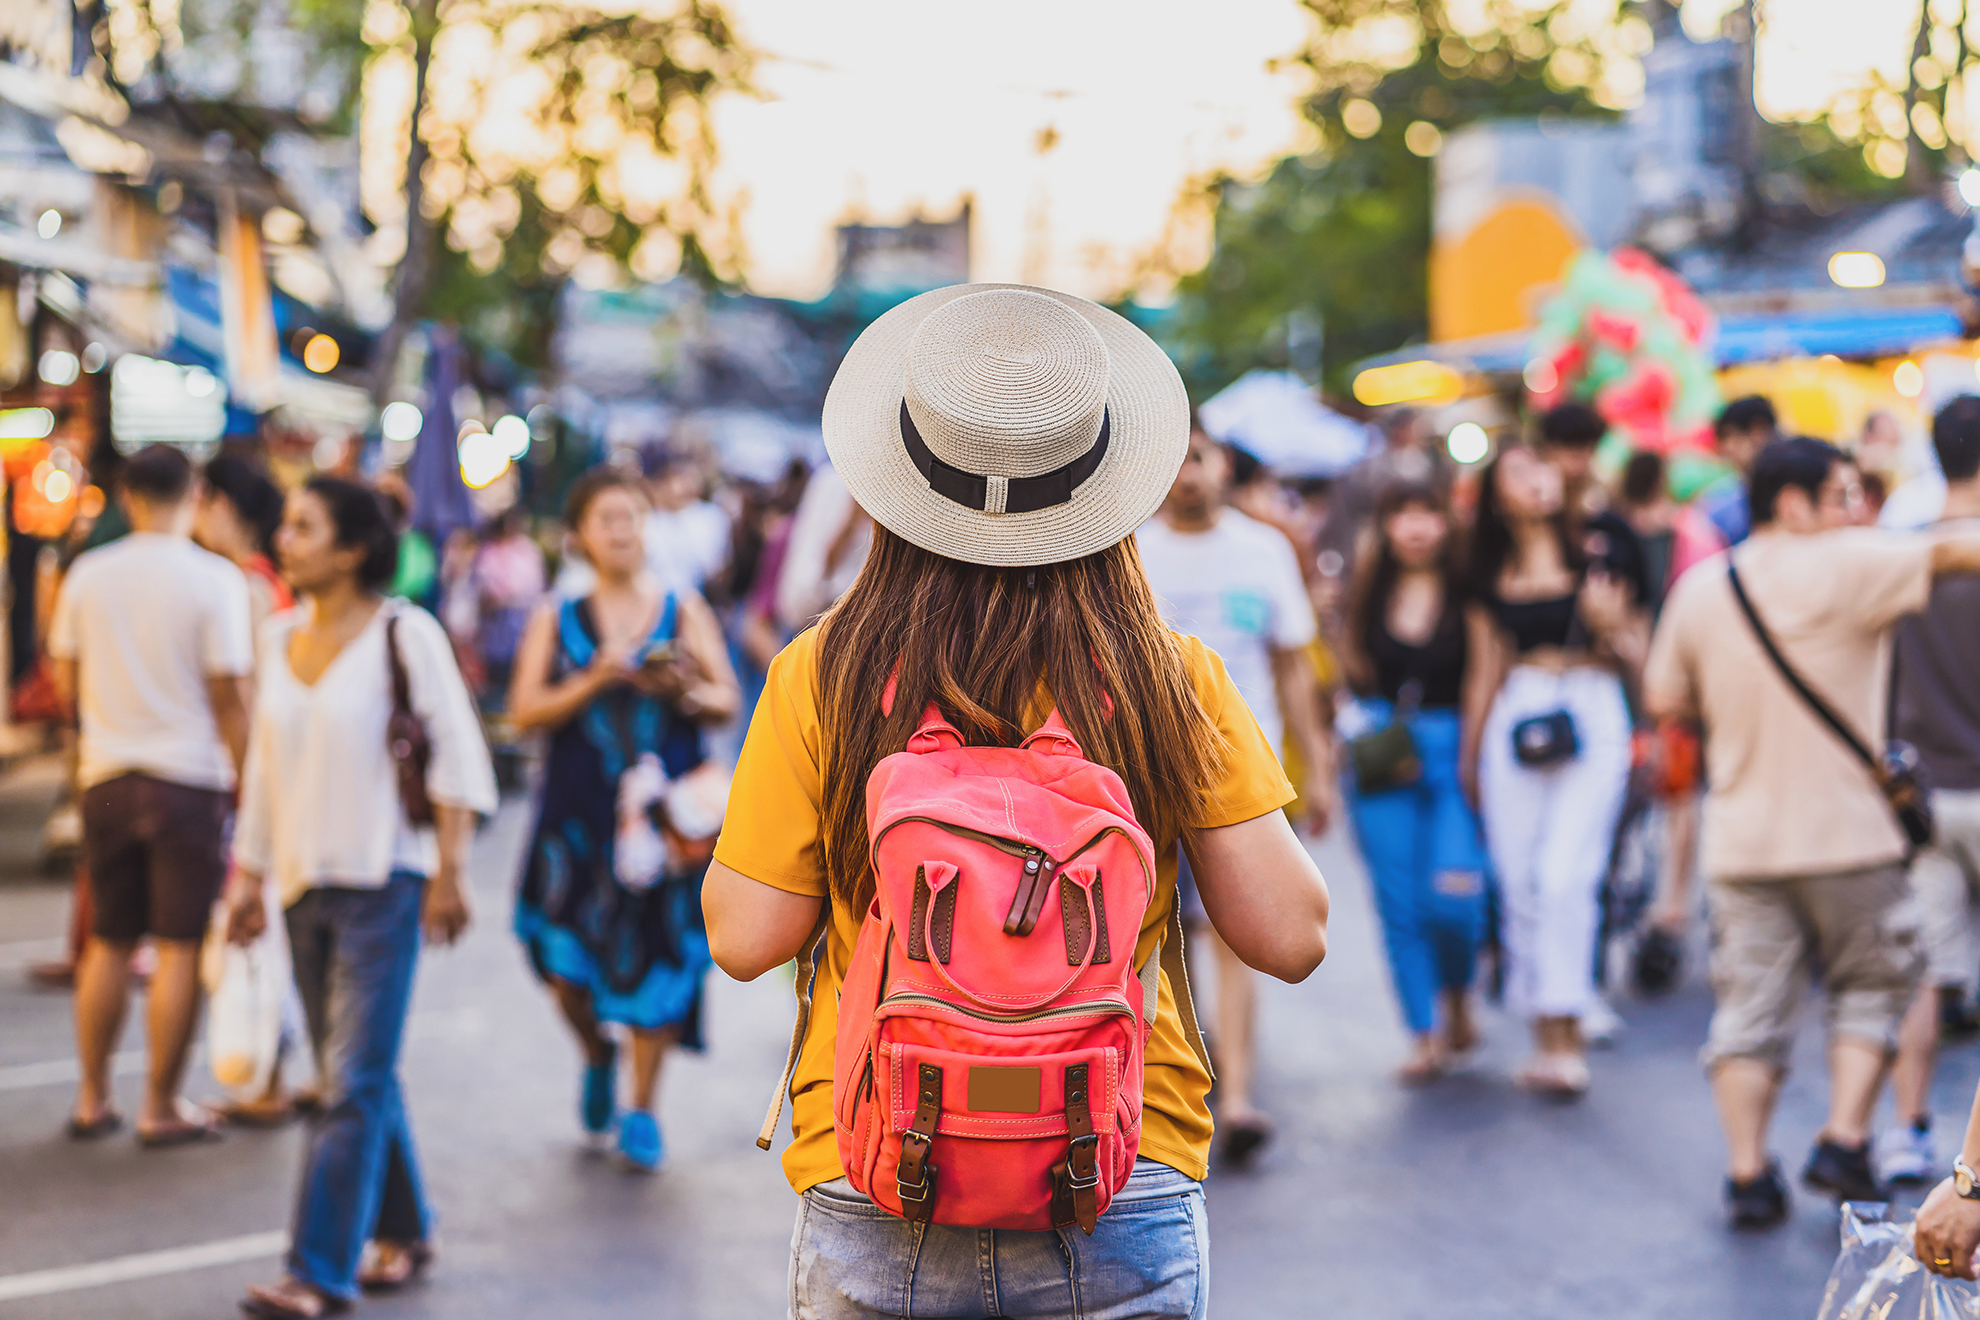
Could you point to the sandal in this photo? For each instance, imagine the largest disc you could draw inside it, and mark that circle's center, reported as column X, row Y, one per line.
column 1421, row 1072
column 1562, row 1077
column 291, row 1299
column 191, row 1126
column 1244, row 1138
column 105, row 1122
column 264, row 1114
column 390, row 1266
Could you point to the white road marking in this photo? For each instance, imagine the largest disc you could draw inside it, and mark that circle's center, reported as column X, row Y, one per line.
column 55, row 1072
column 20, row 953
column 143, row 1265
column 436, row 1024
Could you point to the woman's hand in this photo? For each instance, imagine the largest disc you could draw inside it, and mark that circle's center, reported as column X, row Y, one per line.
column 247, row 912
column 1947, row 1231
column 668, row 682
column 614, row 663
column 444, row 913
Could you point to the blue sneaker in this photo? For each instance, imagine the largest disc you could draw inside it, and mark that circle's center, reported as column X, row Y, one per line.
column 600, row 1103
column 639, row 1142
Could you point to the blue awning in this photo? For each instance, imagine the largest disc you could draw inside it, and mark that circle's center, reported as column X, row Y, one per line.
column 1871, row 332
column 1850, row 333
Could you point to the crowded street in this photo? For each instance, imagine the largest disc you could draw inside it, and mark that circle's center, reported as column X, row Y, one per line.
column 1375, row 1202
column 1116, row 660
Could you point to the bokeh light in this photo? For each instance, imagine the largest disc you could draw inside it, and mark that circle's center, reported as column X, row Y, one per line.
column 1468, row 442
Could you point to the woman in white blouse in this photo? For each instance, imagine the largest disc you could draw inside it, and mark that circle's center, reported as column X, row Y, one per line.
column 321, row 816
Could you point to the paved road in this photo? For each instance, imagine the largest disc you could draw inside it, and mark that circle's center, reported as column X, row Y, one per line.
column 1469, row 1199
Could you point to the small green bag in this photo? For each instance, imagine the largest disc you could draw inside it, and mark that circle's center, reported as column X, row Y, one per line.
column 1387, row 758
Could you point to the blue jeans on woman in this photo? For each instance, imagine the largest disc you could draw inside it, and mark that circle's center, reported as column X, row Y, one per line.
column 354, row 952
column 1426, row 859
column 1148, row 1259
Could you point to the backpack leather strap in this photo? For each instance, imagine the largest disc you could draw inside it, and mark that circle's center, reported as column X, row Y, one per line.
column 914, row 1175
column 807, row 977
column 1075, row 1179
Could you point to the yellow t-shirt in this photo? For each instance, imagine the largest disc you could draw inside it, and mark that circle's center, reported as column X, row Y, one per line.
column 771, row 835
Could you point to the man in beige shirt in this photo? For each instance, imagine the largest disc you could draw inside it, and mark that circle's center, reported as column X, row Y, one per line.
column 1805, row 859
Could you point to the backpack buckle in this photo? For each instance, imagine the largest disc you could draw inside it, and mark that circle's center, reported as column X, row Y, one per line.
column 914, row 1155
column 1082, row 1152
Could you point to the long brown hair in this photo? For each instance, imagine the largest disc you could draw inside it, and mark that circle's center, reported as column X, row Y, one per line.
column 1377, row 569
column 977, row 641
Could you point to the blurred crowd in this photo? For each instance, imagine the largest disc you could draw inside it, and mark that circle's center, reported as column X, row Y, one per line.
column 1562, row 723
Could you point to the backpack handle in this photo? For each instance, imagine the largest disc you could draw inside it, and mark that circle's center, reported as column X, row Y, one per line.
column 1055, row 738
column 1083, row 877
column 935, row 734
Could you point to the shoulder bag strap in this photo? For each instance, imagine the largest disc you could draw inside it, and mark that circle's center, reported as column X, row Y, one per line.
column 808, row 960
column 401, row 684
column 1794, row 680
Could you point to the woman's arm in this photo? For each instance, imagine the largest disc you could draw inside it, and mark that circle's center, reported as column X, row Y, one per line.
column 1948, row 1226
column 537, row 703
column 1621, row 628
column 754, row 927
column 444, row 913
column 1263, row 893
column 1484, row 671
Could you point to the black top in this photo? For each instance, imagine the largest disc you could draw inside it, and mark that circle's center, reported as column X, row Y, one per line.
column 1436, row 666
column 1537, row 623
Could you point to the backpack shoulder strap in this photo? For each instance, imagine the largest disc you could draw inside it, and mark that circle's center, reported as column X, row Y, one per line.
column 1807, row 694
column 1168, row 956
column 807, row 977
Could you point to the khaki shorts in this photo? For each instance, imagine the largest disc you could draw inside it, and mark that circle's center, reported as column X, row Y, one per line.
column 1857, row 930
column 1946, row 878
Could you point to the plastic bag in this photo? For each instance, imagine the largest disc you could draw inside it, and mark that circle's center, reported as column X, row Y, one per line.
column 1877, row 1278
column 639, row 854
column 248, row 989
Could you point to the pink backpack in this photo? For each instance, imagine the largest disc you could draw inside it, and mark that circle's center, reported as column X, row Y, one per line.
column 992, row 1022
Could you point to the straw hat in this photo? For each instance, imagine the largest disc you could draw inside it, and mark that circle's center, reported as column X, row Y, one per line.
column 1003, row 424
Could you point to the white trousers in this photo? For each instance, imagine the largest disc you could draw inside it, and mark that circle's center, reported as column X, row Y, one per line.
column 1549, row 831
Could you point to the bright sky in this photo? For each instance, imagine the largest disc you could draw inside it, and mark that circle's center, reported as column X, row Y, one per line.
column 888, row 107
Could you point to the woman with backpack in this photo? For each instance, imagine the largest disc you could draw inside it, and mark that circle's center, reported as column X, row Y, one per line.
column 959, row 806
column 1406, row 657
column 1547, row 747
column 367, row 854
column 622, row 678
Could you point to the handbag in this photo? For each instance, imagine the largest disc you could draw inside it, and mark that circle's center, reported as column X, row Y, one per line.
column 405, row 737
column 1387, row 758
column 1549, row 738
column 1544, row 740
column 1899, row 775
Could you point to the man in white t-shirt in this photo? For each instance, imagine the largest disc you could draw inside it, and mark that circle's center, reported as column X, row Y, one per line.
column 152, row 647
column 687, row 538
column 1235, row 583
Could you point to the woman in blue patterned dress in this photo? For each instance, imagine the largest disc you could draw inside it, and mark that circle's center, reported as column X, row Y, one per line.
column 630, row 671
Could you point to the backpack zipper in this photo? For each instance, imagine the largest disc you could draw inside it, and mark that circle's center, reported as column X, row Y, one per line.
column 1064, row 1010
column 1019, row 848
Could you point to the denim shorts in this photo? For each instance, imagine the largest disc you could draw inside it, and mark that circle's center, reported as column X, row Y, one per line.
column 1150, row 1257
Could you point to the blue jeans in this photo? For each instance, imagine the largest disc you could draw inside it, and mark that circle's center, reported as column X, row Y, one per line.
column 1426, row 860
column 354, row 952
column 1148, row 1260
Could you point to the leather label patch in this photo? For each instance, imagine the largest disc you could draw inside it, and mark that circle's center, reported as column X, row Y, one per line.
column 1003, row 1090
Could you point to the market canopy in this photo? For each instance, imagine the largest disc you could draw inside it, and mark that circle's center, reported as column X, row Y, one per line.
column 1866, row 332
column 1278, row 419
